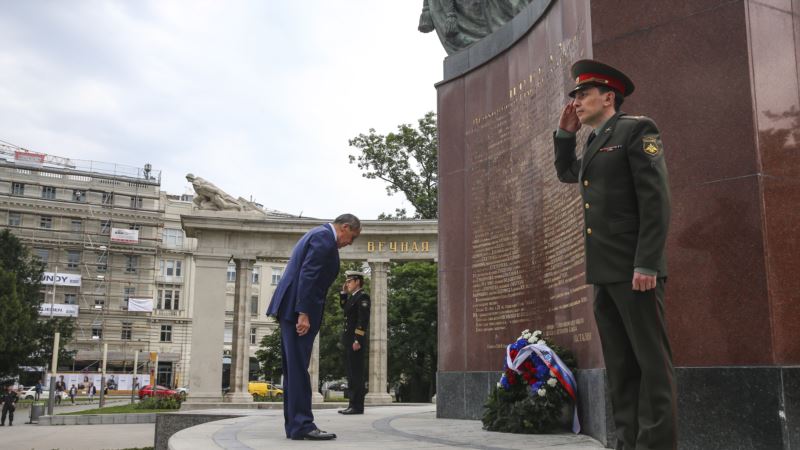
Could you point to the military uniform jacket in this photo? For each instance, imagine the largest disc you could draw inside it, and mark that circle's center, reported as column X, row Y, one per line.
column 9, row 399
column 623, row 181
column 356, row 318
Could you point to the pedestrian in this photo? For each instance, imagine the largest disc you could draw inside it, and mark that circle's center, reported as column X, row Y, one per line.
column 73, row 391
column 354, row 338
column 38, row 390
column 9, row 401
column 59, row 391
column 622, row 177
column 298, row 303
column 91, row 391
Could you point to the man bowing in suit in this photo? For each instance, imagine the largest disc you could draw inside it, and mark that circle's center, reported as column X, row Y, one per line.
column 297, row 304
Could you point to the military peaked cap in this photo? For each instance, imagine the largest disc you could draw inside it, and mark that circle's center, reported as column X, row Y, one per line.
column 354, row 274
column 588, row 73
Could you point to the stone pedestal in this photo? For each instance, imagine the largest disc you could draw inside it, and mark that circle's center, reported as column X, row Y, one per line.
column 378, row 350
column 208, row 315
column 721, row 80
column 240, row 354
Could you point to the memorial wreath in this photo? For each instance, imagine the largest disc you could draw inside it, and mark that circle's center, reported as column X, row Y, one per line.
column 537, row 388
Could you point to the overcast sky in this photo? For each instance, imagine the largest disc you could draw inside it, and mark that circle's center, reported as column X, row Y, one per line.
column 260, row 97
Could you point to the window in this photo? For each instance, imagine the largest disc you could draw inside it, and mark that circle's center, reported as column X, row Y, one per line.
column 166, row 333
column 254, row 305
column 102, row 262
column 256, row 274
column 108, row 198
column 276, row 275
column 70, row 299
column 73, row 259
column 46, row 222
column 131, row 263
column 17, row 189
column 42, row 253
column 97, row 332
column 127, row 293
column 136, row 202
column 127, row 331
column 99, row 301
column 105, row 227
column 79, row 195
column 253, row 335
column 134, row 226
column 168, row 297
column 171, row 268
column 48, row 192
column 14, row 219
column 76, row 226
column 231, row 273
column 172, row 237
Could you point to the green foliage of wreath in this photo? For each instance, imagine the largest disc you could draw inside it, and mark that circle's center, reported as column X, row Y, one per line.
column 519, row 410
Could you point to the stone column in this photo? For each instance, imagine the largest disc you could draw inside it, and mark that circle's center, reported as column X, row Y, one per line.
column 240, row 350
column 378, row 367
column 313, row 370
column 208, row 316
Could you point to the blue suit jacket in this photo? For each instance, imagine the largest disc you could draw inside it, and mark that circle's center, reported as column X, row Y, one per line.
column 312, row 269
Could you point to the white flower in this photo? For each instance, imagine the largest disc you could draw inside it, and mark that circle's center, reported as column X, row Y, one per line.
column 540, row 341
column 526, row 335
column 552, row 382
column 526, row 331
column 531, row 340
column 537, row 333
column 541, row 392
column 498, row 384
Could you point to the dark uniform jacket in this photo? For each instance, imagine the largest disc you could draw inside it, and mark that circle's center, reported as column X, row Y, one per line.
column 9, row 400
column 356, row 318
column 626, row 202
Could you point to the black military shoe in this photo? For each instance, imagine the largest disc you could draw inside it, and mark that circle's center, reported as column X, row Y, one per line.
column 350, row 411
column 345, row 411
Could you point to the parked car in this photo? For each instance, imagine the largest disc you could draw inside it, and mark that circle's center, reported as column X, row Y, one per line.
column 157, row 391
column 30, row 394
column 265, row 389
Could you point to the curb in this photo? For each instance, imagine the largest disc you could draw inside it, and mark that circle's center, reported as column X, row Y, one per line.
column 98, row 419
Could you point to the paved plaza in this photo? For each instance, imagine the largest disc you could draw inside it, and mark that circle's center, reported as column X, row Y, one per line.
column 386, row 427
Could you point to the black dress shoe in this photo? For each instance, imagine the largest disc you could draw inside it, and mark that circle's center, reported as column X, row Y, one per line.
column 316, row 435
column 345, row 411
column 350, row 411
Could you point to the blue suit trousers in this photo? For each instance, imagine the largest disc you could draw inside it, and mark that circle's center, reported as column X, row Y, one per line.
column 296, row 351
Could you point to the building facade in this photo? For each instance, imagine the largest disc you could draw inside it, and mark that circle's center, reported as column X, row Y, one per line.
column 116, row 238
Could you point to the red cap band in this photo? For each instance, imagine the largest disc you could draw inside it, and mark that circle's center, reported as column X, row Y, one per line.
column 601, row 79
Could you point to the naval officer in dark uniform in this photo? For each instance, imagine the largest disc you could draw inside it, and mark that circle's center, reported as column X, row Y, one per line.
column 622, row 176
column 354, row 339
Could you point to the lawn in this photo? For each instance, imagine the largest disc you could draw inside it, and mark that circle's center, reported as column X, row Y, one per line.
column 118, row 409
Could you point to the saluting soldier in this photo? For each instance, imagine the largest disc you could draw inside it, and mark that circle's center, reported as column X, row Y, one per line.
column 622, row 177
column 356, row 322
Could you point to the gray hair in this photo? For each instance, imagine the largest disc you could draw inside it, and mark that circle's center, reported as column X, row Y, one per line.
column 348, row 219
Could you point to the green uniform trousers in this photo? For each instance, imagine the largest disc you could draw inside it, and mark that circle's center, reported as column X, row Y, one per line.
column 638, row 365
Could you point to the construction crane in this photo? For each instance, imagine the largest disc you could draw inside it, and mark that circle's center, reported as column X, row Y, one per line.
column 20, row 155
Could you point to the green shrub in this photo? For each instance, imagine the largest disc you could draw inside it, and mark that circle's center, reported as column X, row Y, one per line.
column 267, row 398
column 159, row 403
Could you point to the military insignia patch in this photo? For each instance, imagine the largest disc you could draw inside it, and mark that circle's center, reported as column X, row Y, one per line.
column 650, row 145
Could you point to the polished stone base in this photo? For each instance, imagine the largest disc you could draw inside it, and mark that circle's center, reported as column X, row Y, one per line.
column 718, row 407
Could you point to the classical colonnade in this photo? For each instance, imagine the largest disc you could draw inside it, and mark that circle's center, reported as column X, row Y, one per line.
column 246, row 238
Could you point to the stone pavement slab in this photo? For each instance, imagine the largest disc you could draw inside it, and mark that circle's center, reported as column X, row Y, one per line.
column 385, row 428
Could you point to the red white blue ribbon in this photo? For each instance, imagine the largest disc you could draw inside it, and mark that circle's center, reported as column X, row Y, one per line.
column 557, row 367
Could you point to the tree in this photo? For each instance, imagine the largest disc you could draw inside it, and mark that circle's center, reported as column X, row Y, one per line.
column 24, row 338
column 407, row 160
column 269, row 356
column 412, row 330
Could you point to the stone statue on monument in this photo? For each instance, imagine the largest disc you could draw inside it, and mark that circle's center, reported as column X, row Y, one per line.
column 461, row 23
column 210, row 197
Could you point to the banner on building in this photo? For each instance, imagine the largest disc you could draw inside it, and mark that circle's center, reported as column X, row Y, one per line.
column 61, row 279
column 124, row 236
column 140, row 304
column 114, row 381
column 58, row 310
column 29, row 158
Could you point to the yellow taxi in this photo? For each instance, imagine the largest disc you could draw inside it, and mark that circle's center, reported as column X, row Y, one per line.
column 264, row 389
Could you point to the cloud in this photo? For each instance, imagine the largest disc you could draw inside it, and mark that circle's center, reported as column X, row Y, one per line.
column 258, row 97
